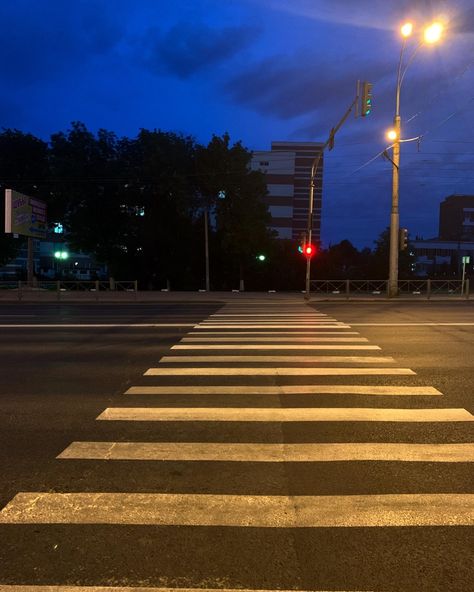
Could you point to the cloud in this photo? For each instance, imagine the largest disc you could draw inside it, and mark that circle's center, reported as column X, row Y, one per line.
column 190, row 48
column 40, row 41
column 292, row 87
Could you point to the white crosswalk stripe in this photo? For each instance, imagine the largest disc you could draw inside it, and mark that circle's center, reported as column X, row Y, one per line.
column 287, row 389
column 269, row 346
column 238, row 452
column 280, row 371
column 272, row 359
column 211, row 339
column 287, row 334
column 274, row 326
column 288, row 414
column 240, row 510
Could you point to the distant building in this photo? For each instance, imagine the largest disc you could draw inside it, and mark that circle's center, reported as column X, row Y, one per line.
column 443, row 255
column 456, row 218
column 438, row 258
column 287, row 167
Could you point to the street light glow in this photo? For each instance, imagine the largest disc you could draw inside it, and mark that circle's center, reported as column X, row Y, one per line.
column 392, row 134
column 61, row 254
column 433, row 33
column 407, row 29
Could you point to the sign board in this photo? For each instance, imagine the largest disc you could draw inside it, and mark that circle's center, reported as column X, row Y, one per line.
column 25, row 215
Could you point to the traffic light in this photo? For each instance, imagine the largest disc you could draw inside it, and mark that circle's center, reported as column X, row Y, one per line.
column 366, row 104
column 261, row 257
column 403, row 239
column 309, row 250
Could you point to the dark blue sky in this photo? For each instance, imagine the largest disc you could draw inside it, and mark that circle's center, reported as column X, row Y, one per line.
column 262, row 70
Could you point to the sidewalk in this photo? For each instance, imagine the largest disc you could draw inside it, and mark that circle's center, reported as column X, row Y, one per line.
column 37, row 296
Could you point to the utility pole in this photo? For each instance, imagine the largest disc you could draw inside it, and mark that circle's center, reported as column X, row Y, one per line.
column 206, row 247
column 314, row 170
column 30, row 265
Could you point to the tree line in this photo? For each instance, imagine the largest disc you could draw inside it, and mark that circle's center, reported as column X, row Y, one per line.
column 137, row 205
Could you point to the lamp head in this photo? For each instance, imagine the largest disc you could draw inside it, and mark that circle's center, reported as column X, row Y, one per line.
column 433, row 33
column 406, row 29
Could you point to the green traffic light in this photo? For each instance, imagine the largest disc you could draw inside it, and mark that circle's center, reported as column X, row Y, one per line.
column 261, row 257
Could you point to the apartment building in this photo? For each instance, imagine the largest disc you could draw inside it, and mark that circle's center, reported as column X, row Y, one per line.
column 287, row 167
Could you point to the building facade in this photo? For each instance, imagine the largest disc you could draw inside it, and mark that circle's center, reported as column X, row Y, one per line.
column 287, row 167
column 440, row 258
column 456, row 218
column 453, row 250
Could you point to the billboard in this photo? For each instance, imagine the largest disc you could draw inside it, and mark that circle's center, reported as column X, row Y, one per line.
column 25, row 215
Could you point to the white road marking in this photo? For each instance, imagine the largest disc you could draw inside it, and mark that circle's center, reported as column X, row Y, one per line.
column 270, row 359
column 288, row 389
column 331, row 511
column 303, row 346
column 285, row 322
column 237, row 452
column 218, row 371
column 282, row 313
column 263, row 336
column 289, row 414
column 267, row 346
column 279, row 326
column 263, row 331
column 302, row 320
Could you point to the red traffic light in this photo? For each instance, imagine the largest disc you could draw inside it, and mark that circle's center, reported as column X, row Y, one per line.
column 309, row 250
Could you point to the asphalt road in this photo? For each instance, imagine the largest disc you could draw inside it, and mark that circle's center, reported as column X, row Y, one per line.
column 63, row 365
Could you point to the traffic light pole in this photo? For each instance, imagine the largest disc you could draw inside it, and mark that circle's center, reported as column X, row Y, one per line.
column 314, row 171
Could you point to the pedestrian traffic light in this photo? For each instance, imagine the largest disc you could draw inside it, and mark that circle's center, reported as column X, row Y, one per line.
column 366, row 104
column 403, row 239
column 309, row 250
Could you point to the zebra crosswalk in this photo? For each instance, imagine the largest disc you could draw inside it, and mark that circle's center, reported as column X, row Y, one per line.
column 201, row 365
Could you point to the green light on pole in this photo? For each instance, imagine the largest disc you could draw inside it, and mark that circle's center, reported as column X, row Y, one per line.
column 261, row 257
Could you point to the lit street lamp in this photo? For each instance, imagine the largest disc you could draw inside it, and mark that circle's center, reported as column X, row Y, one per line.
column 432, row 34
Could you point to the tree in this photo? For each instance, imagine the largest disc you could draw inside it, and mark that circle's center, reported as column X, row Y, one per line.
column 379, row 265
column 127, row 201
column 235, row 193
column 161, row 191
column 339, row 261
column 86, row 190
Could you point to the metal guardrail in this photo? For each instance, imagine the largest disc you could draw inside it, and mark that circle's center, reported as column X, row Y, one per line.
column 39, row 289
column 413, row 287
column 112, row 289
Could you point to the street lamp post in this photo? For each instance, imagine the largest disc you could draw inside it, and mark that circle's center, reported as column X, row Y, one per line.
column 432, row 34
column 394, row 214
